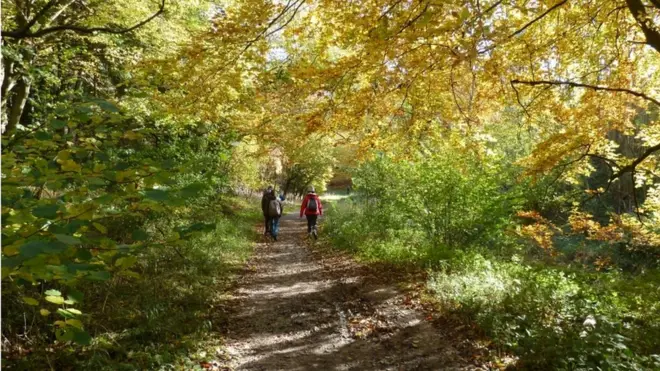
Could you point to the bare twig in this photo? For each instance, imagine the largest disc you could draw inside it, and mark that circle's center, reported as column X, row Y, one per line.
column 518, row 99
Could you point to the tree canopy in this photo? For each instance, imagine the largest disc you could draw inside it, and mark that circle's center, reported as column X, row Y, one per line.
column 117, row 115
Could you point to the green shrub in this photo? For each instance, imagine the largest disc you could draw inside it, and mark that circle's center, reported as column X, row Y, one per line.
column 550, row 314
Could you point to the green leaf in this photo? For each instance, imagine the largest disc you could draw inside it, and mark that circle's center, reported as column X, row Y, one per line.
column 107, row 106
column 192, row 190
column 123, row 165
column 36, row 247
column 101, row 228
column 75, row 323
column 76, row 267
column 55, row 299
column 74, row 311
column 156, row 194
column 75, row 296
column 46, row 211
column 84, row 254
column 99, row 276
column 53, row 293
column 81, row 337
column 57, row 124
column 126, row 262
column 32, row 248
column 11, row 262
column 65, row 313
column 30, row 301
column 69, row 240
column 64, row 335
column 140, row 235
column 42, row 135
column 44, row 312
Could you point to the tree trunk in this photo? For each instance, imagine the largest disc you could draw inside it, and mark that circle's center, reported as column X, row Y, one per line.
column 16, row 111
column 8, row 81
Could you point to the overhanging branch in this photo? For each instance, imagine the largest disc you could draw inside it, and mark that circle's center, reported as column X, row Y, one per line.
column 25, row 33
column 633, row 165
column 645, row 22
column 586, row 86
column 538, row 18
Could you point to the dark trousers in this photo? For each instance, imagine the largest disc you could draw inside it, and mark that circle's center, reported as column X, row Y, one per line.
column 311, row 222
column 268, row 221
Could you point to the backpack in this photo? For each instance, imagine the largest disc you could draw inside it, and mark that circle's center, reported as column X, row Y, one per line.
column 312, row 204
column 274, row 208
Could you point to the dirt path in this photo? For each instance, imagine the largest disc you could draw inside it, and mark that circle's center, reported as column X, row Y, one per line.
column 294, row 312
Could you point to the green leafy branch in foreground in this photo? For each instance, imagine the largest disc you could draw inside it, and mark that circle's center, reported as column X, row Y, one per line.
column 77, row 193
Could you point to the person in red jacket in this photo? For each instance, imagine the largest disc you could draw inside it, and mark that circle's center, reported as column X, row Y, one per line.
column 312, row 208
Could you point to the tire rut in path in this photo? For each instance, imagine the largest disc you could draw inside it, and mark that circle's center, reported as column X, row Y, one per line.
column 294, row 313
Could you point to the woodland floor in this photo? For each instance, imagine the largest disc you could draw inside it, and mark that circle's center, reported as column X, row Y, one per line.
column 298, row 308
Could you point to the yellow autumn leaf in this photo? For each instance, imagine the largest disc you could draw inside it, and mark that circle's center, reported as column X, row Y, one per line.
column 70, row 165
column 74, row 322
column 55, row 299
column 10, row 250
column 30, row 301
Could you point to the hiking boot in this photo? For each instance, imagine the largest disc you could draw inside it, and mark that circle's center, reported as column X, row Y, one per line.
column 315, row 234
column 275, row 238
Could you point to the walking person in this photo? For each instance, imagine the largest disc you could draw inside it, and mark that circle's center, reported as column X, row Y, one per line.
column 312, row 208
column 275, row 209
column 268, row 196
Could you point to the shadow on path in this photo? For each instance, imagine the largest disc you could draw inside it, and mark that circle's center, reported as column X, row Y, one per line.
column 292, row 313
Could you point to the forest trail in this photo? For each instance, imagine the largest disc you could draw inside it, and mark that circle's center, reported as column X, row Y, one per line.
column 295, row 311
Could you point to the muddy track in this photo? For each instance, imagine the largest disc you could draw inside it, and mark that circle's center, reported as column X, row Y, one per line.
column 293, row 312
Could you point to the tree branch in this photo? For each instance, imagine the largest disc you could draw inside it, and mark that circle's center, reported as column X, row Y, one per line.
column 633, row 165
column 24, row 32
column 40, row 14
column 538, row 18
column 645, row 22
column 587, row 86
column 490, row 8
column 519, row 101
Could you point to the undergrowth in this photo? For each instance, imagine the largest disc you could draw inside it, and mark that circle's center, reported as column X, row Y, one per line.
column 550, row 315
column 170, row 317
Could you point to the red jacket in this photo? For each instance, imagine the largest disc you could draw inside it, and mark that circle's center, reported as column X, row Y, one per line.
column 303, row 207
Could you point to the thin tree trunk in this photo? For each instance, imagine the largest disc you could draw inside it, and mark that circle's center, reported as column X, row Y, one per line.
column 16, row 111
column 8, row 81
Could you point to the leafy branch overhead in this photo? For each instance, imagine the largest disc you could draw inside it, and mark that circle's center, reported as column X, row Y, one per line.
column 24, row 30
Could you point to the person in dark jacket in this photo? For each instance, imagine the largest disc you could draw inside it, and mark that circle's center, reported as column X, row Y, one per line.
column 269, row 195
column 312, row 208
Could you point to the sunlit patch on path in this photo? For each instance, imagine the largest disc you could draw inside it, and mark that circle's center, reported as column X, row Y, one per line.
column 294, row 313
